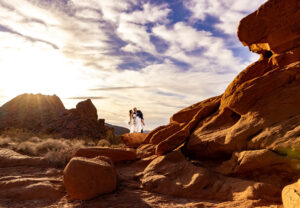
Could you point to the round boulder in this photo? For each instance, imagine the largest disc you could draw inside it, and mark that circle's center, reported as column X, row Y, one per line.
column 86, row 178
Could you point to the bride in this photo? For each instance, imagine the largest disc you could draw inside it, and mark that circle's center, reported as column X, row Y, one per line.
column 131, row 121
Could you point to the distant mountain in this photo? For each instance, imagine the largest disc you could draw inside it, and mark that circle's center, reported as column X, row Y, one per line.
column 119, row 130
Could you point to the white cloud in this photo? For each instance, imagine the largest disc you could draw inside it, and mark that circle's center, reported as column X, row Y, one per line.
column 185, row 39
column 136, row 35
column 184, row 36
column 88, row 13
column 110, row 9
column 132, row 28
column 149, row 13
column 228, row 12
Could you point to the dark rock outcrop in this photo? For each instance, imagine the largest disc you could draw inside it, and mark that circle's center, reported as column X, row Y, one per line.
column 47, row 114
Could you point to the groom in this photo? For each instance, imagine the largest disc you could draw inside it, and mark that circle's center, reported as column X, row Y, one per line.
column 139, row 114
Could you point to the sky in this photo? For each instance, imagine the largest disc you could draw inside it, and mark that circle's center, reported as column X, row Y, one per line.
column 157, row 55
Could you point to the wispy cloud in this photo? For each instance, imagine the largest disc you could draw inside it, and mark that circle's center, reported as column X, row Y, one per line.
column 31, row 39
column 85, row 98
column 119, row 88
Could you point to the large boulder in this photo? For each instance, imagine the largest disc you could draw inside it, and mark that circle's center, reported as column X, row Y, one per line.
column 133, row 140
column 273, row 27
column 86, row 178
column 47, row 114
column 115, row 154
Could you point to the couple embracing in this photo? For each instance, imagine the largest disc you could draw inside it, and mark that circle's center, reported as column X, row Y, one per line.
column 136, row 121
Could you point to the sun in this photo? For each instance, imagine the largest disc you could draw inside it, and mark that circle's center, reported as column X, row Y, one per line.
column 37, row 70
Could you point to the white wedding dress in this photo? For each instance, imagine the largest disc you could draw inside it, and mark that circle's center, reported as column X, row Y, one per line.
column 138, row 124
column 131, row 124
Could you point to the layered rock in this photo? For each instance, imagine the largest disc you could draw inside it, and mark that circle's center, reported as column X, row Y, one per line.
column 28, row 178
column 172, row 174
column 145, row 150
column 47, row 114
column 115, row 154
column 10, row 158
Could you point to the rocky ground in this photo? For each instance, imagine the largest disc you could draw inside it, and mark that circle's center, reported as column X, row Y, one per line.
column 27, row 181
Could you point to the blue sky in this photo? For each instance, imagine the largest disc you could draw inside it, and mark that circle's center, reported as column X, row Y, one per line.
column 157, row 55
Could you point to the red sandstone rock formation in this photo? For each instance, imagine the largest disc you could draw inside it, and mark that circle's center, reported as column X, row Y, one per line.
column 256, row 121
column 47, row 114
